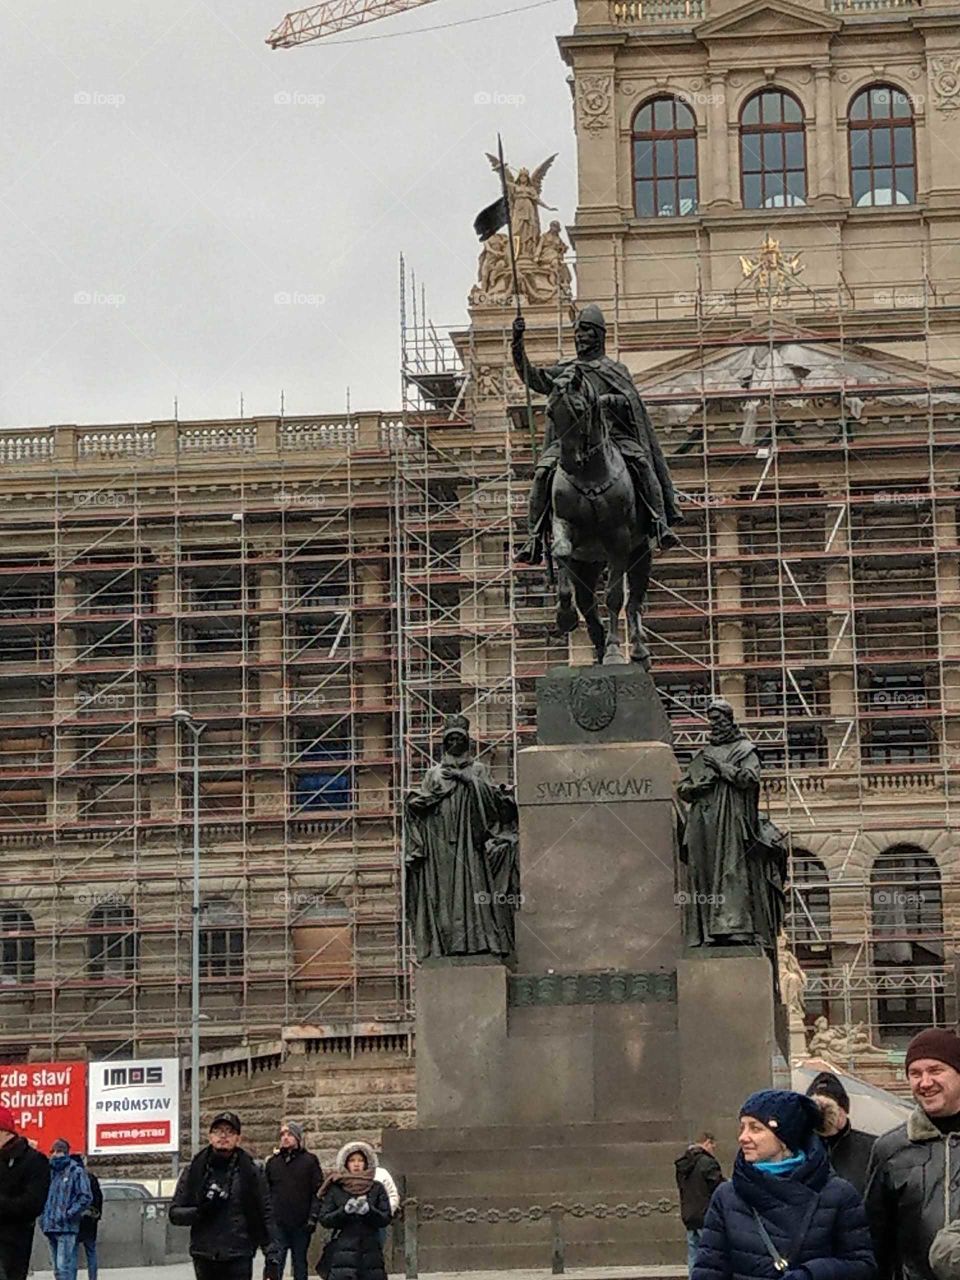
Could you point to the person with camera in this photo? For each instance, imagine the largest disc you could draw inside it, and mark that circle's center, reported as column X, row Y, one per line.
column 223, row 1197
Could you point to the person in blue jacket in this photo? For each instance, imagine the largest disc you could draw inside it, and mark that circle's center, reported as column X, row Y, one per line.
column 68, row 1197
column 784, row 1215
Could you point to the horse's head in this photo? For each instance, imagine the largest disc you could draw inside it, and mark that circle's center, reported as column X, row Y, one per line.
column 576, row 413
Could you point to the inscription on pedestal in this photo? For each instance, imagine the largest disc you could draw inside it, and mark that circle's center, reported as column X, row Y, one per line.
column 526, row 989
column 579, row 790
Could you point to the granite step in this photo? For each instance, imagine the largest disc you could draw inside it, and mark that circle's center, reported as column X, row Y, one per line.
column 642, row 1156
column 503, row 1137
column 654, row 1229
column 612, row 1251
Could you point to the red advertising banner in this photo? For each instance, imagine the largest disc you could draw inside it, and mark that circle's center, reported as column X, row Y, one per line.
column 131, row 1134
column 48, row 1100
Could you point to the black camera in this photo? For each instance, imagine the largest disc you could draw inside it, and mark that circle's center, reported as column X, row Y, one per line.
column 215, row 1194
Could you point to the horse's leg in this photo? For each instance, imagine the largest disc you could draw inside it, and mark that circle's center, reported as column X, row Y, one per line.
column 638, row 579
column 566, row 613
column 586, row 576
column 613, row 654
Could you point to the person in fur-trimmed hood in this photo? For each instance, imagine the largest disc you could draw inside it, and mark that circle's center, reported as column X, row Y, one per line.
column 784, row 1212
column 848, row 1148
column 353, row 1205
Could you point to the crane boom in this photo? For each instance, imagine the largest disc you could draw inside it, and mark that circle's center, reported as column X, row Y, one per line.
column 327, row 19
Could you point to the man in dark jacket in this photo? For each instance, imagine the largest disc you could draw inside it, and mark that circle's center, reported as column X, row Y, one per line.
column 912, row 1176
column 698, row 1176
column 90, row 1221
column 223, row 1197
column 24, row 1183
column 294, row 1177
column 848, row 1148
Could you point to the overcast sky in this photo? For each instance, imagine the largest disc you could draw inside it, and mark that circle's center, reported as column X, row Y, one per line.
column 187, row 212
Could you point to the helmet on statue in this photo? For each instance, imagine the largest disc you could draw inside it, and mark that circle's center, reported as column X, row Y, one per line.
column 591, row 316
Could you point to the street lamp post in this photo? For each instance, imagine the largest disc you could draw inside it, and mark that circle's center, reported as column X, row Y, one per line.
column 185, row 718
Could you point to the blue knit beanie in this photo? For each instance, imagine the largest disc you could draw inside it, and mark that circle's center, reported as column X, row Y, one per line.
column 793, row 1117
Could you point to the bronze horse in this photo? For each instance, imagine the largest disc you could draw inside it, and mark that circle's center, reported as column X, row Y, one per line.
column 596, row 521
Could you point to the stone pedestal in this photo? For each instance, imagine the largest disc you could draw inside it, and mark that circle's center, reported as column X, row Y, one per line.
column 580, row 1076
column 461, row 1039
column 597, row 858
column 592, row 705
column 727, row 1034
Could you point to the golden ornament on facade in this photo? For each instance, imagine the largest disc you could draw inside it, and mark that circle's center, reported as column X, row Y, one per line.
column 773, row 272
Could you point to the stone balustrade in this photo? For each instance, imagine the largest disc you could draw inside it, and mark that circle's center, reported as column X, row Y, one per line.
column 644, row 12
column 185, row 443
column 32, row 446
column 870, row 6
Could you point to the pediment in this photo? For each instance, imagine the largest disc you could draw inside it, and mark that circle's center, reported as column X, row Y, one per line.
column 767, row 18
column 790, row 362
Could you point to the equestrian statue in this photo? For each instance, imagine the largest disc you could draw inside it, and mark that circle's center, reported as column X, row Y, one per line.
column 602, row 493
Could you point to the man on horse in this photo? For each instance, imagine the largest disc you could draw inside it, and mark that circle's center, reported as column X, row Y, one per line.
column 630, row 430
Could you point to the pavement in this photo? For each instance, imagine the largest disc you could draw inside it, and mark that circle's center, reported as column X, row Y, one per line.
column 184, row 1271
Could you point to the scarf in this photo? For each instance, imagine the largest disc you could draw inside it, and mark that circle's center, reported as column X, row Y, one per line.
column 781, row 1167
column 357, row 1184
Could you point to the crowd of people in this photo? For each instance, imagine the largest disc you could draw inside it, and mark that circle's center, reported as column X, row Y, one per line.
column 809, row 1197
column 812, row 1198
column 233, row 1204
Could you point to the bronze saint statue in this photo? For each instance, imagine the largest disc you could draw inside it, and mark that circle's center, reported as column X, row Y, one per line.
column 735, row 860
column 461, row 856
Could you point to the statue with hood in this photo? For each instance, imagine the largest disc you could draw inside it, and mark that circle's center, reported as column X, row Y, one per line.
column 735, row 860
column 462, row 871
column 630, row 430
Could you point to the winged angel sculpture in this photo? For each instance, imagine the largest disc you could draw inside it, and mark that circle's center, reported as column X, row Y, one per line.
column 541, row 269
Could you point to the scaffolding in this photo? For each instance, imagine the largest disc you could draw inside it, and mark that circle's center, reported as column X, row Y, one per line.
column 240, row 571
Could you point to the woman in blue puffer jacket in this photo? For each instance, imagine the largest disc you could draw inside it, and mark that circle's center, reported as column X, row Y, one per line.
column 784, row 1215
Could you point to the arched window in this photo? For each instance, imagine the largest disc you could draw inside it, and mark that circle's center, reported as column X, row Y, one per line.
column 18, row 948
column 112, row 941
column 906, row 907
column 883, row 164
column 221, row 938
column 773, row 151
column 664, row 159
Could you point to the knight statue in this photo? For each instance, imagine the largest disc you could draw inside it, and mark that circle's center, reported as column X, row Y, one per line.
column 630, row 430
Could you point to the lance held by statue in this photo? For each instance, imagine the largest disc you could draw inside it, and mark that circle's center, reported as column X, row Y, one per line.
column 461, row 856
column 630, row 430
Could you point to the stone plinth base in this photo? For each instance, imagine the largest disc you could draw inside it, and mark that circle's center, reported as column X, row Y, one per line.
column 461, row 1042
column 727, row 1034
column 600, row 704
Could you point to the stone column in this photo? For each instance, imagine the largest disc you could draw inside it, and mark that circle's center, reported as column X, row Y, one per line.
column 828, row 183
column 717, row 140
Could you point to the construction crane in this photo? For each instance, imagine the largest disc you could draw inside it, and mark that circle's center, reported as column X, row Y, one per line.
column 333, row 16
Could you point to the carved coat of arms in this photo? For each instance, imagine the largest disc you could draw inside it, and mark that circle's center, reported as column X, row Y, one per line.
column 593, row 701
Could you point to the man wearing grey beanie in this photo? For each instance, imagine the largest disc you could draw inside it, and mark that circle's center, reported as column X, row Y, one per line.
column 294, row 1176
